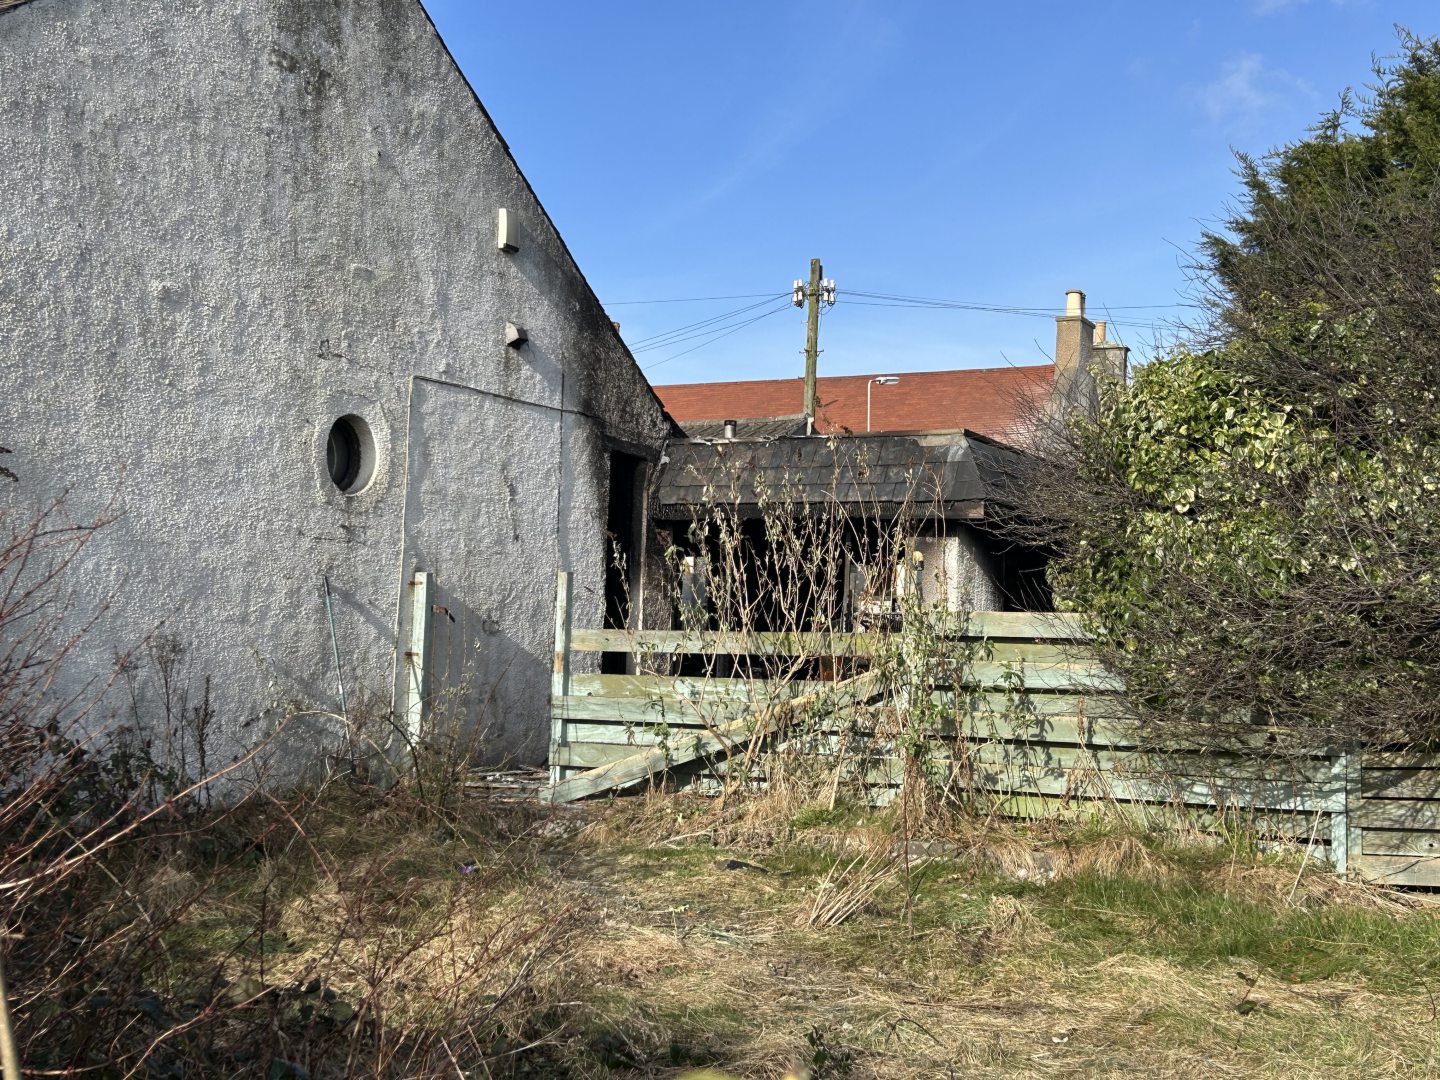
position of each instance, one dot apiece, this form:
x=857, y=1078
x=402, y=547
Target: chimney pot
x=1100, y=332
x=730, y=429
x=1075, y=303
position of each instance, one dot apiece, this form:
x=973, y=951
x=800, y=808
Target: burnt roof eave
x=956, y=510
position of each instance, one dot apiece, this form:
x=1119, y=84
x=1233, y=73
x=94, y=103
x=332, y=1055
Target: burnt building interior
x=838, y=533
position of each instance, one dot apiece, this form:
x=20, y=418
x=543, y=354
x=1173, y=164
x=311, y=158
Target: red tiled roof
x=990, y=401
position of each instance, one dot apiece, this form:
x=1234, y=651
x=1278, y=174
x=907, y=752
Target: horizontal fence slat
x=1264, y=823
x=1100, y=775
x=666, y=687
x=664, y=644
x=1254, y=794
x=985, y=713
x=1032, y=628
x=1400, y=842
x=1098, y=706
x=1073, y=677
x=633, y=721
x=1030, y=625
x=622, y=714
x=637, y=713
x=989, y=759
x=589, y=755
x=1054, y=729
x=1397, y=869
x=1399, y=783
x=1222, y=769
x=719, y=643
x=623, y=718
x=630, y=716
x=1402, y=759
x=1059, y=678
x=1398, y=814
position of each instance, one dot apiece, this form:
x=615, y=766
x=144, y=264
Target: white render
x=224, y=226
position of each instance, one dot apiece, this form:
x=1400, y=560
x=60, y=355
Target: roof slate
x=931, y=473
x=762, y=427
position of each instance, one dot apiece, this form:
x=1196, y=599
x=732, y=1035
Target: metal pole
x=335, y=652
x=883, y=380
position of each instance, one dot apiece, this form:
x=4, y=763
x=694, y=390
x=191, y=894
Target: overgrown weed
x=367, y=941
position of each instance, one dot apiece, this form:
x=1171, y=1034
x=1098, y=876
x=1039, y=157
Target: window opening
x=350, y=454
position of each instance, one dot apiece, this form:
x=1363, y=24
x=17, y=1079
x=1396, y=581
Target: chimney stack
x=1109, y=359
x=1074, y=351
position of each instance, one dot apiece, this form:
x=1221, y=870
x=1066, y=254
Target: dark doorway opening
x=622, y=550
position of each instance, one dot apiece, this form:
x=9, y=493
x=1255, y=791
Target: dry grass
x=850, y=887
x=981, y=972
x=662, y=935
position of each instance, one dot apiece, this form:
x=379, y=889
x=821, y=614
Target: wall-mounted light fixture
x=507, y=231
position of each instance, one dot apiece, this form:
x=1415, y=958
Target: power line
x=976, y=304
x=681, y=333
x=893, y=299
x=685, y=299
x=723, y=325
x=1019, y=309
x=927, y=304
x=945, y=307
x=748, y=322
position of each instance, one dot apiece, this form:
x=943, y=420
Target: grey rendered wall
x=226, y=224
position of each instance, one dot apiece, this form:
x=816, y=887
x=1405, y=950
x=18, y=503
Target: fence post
x=1340, y=818
x=417, y=656
x=1346, y=832
x=1354, y=827
x=560, y=679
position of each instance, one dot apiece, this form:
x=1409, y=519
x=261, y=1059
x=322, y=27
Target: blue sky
x=994, y=153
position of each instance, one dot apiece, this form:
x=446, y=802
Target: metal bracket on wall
x=560, y=676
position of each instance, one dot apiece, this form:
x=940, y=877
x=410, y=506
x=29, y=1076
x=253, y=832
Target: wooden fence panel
x=1033, y=726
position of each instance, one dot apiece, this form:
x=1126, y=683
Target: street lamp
x=883, y=380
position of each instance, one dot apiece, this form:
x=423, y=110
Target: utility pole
x=818, y=291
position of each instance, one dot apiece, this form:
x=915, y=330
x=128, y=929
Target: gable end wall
x=229, y=224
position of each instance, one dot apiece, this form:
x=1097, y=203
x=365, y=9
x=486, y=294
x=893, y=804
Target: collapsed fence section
x=1004, y=711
